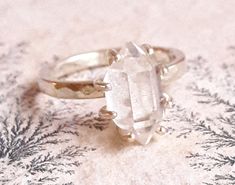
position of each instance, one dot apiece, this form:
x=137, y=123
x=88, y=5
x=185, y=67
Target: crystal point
x=135, y=93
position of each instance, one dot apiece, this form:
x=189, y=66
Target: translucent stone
x=135, y=93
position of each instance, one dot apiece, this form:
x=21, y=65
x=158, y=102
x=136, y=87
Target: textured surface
x=48, y=141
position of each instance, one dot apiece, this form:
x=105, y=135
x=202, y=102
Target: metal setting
x=166, y=101
x=106, y=114
x=161, y=130
x=126, y=136
x=101, y=86
x=148, y=49
x=170, y=66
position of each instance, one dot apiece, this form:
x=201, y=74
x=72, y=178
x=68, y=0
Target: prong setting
x=127, y=136
x=161, y=130
x=114, y=56
x=102, y=86
x=106, y=114
x=166, y=101
x=148, y=48
x=164, y=71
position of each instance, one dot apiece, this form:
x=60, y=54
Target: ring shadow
x=78, y=125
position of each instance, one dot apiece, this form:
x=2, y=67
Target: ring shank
x=51, y=76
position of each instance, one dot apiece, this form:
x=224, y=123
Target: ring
x=133, y=85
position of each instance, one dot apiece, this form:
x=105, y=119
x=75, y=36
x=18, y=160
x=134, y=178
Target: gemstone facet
x=135, y=93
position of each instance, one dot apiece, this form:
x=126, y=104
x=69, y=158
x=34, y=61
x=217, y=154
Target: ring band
x=50, y=81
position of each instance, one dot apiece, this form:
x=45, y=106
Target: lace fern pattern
x=29, y=132
x=212, y=121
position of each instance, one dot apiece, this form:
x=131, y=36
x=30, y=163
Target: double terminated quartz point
x=135, y=94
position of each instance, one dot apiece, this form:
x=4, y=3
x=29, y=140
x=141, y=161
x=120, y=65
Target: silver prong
x=114, y=55
x=163, y=70
x=127, y=136
x=166, y=101
x=161, y=130
x=102, y=86
x=148, y=48
x=106, y=114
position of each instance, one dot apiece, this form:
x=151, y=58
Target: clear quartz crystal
x=135, y=93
